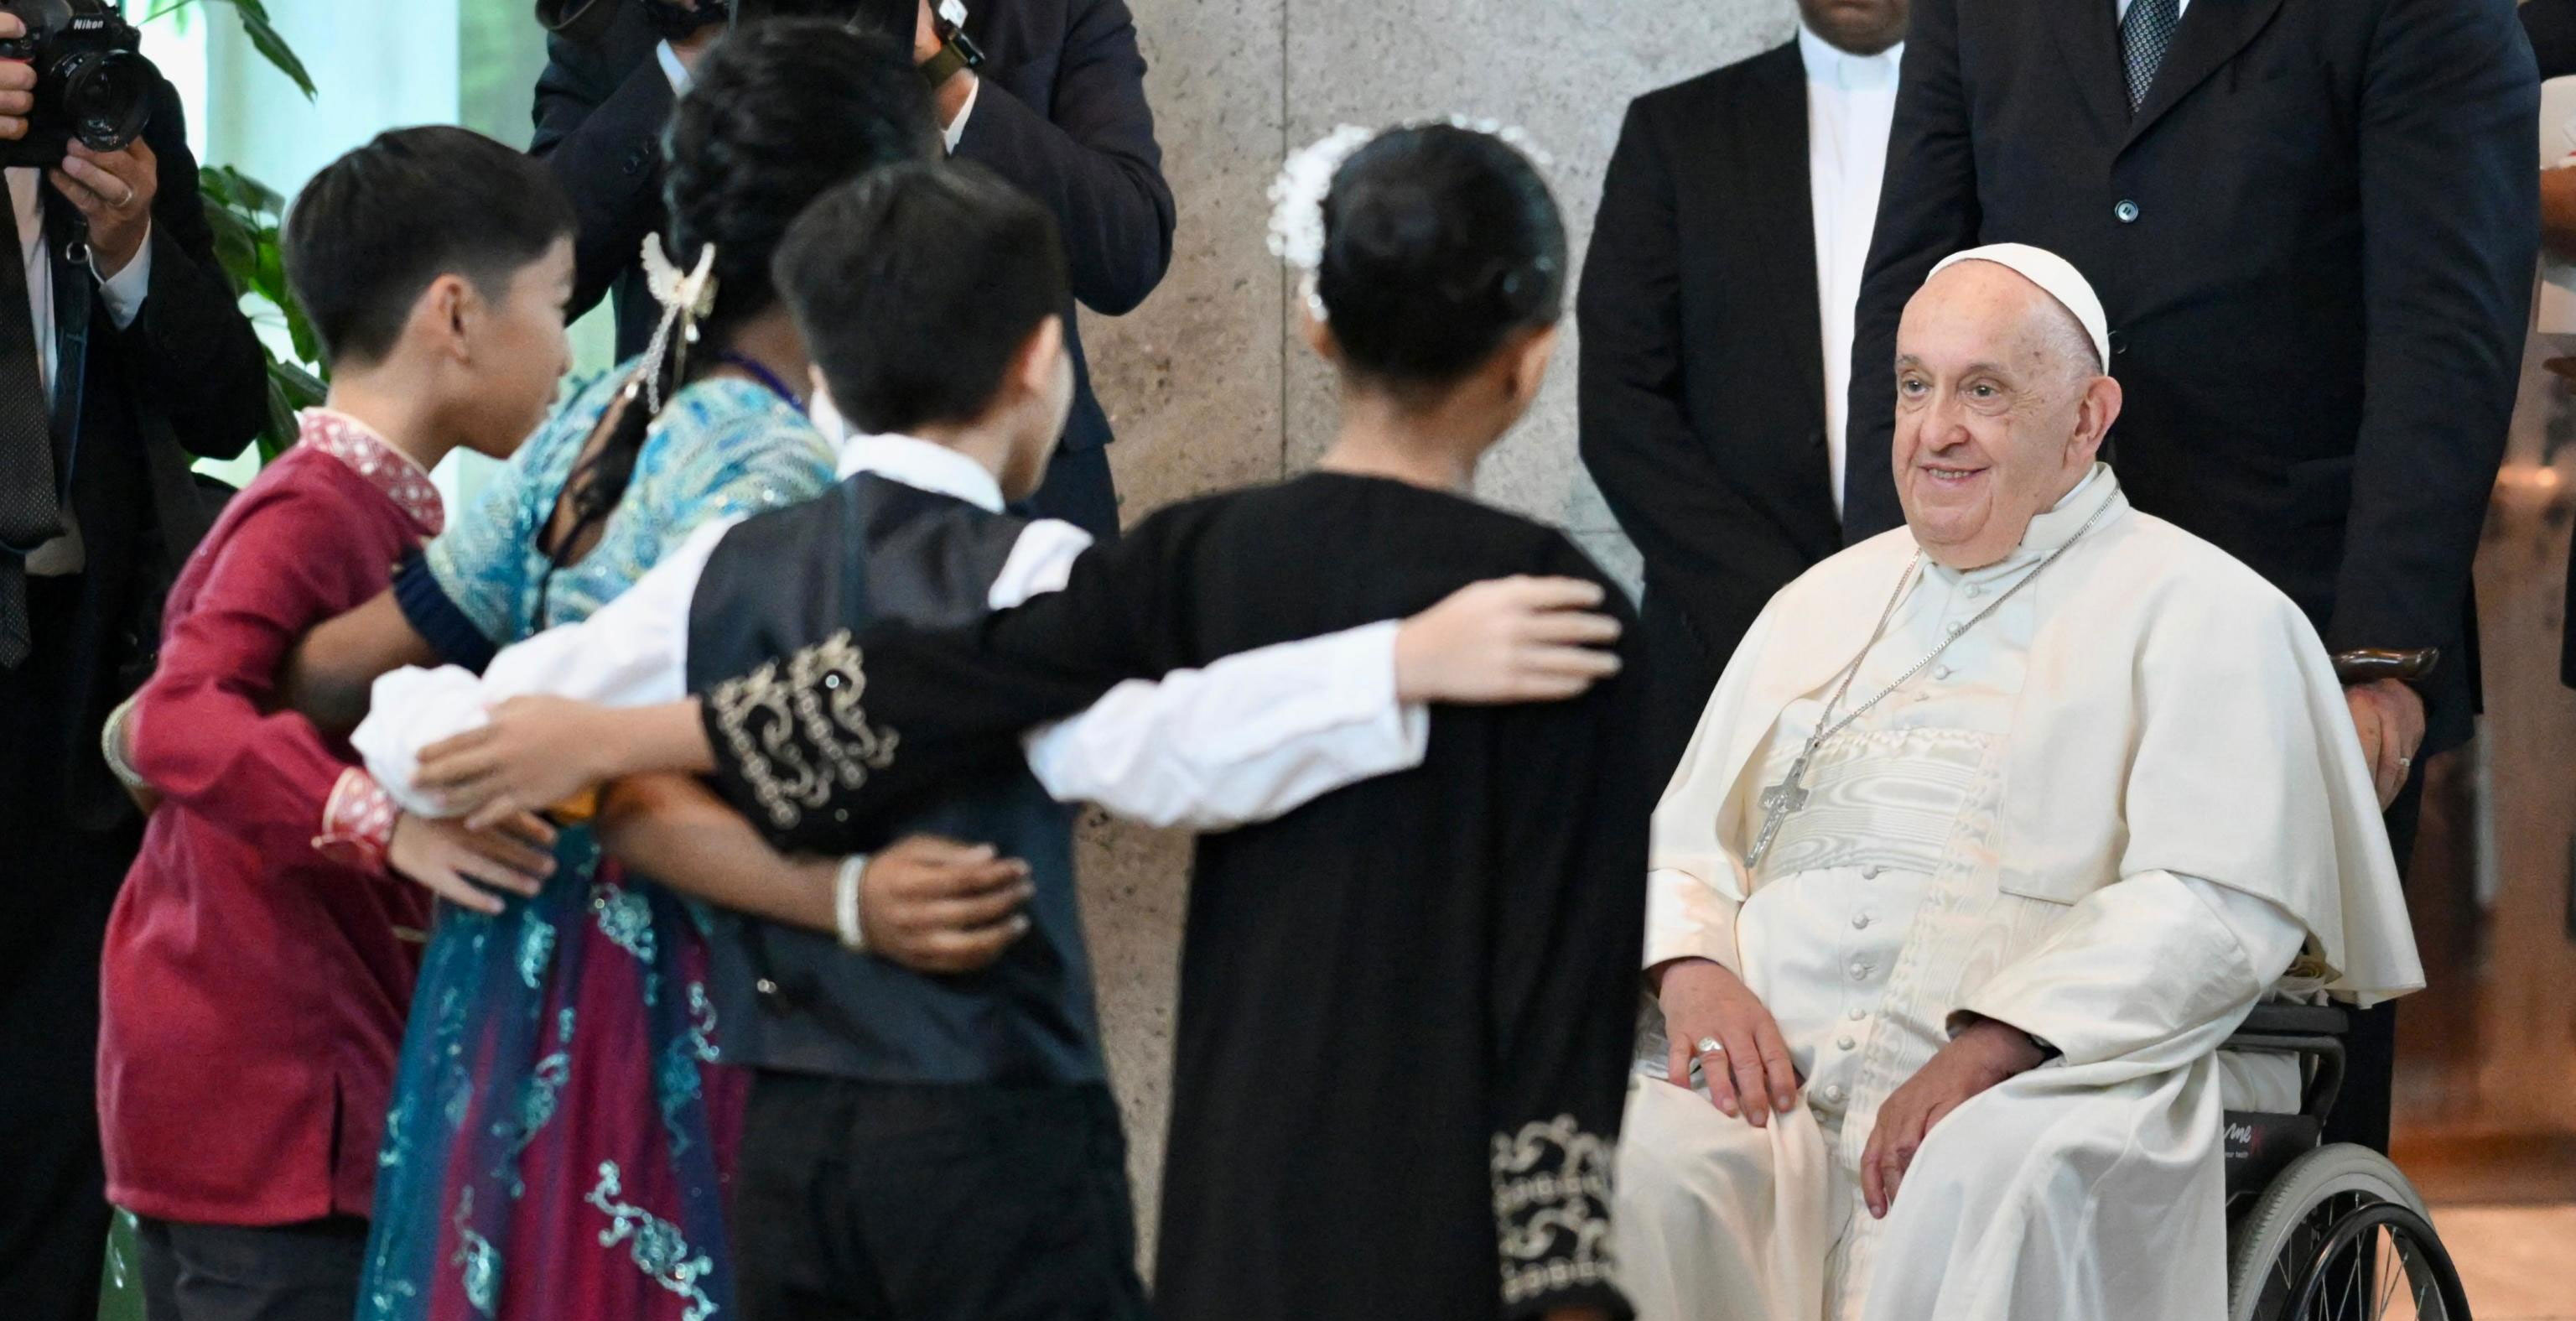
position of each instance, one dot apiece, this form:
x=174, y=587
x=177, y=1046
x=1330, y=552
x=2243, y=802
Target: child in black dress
x=1407, y=1008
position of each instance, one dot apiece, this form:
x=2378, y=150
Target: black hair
x=1439, y=243
x=375, y=227
x=779, y=112
x=915, y=287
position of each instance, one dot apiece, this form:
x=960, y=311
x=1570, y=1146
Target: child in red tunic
x=259, y=964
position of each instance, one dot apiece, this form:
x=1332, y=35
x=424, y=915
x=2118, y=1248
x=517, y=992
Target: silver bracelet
x=112, y=746
x=845, y=903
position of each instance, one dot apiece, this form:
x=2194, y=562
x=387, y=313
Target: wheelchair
x=2323, y=1232
x=2317, y=1232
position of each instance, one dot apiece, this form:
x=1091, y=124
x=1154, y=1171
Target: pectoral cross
x=1778, y=802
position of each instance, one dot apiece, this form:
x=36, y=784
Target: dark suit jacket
x=2551, y=25
x=186, y=378
x=2317, y=295
x=1702, y=402
x=1061, y=113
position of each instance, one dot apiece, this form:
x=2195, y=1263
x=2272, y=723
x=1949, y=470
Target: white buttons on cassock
x=1835, y=1093
x=1975, y=590
x=1845, y=1041
x=1955, y=626
x=1859, y=970
x=1860, y=921
x=1941, y=672
x=1857, y=1015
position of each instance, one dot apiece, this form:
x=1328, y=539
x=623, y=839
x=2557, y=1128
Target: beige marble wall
x=1209, y=389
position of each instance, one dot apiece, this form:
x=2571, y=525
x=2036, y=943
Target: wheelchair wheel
x=2340, y=1236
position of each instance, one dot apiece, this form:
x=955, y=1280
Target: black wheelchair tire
x=2259, y=1238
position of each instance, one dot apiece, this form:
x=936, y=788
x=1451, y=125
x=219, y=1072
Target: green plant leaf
x=264, y=38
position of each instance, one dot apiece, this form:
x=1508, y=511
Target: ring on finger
x=1711, y=1046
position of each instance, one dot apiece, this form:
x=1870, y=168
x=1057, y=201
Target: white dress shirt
x=1851, y=103
x=1248, y=738
x=2121, y=9
x=124, y=298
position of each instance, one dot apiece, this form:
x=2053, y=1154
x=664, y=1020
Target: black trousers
x=60, y=884
x=858, y=1201
x=306, y=1272
x=2362, y=1110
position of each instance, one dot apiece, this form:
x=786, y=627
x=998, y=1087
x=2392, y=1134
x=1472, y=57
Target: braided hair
x=779, y=112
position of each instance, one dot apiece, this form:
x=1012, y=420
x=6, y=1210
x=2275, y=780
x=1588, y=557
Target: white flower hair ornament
x=1306, y=179
x=684, y=299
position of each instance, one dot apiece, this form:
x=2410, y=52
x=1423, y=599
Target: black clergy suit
x=1702, y=399
x=186, y=378
x=1061, y=113
x=2313, y=242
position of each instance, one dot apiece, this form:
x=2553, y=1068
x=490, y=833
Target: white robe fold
x=2174, y=794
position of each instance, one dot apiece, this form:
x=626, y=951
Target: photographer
x=121, y=354
x=1057, y=106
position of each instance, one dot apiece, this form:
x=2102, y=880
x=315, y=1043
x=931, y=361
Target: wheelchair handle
x=2371, y=664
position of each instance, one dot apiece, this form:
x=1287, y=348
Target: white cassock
x=2110, y=814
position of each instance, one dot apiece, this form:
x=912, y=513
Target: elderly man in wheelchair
x=1994, y=833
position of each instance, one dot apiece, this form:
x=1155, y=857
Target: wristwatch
x=957, y=53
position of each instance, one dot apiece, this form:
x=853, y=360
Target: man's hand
x=1702, y=1002
x=530, y=754
x=949, y=98
x=694, y=47
x=464, y=866
x=937, y=905
x=17, y=83
x=114, y=189
x=1507, y=640
x=2390, y=719
x=1980, y=1057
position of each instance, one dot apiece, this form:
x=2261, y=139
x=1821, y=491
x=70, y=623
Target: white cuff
x=956, y=130
x=411, y=709
x=672, y=69
x=125, y=291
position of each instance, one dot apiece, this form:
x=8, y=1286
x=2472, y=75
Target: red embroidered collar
x=370, y=456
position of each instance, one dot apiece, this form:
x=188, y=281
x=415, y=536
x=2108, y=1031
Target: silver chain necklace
x=1789, y=795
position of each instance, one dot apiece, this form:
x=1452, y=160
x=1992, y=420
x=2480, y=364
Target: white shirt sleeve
x=1251, y=737
x=633, y=651
x=124, y=294
x=956, y=130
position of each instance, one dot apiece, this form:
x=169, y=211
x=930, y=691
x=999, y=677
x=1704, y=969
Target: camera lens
x=107, y=95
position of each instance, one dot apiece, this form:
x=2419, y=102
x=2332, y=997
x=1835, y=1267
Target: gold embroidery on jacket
x=770, y=723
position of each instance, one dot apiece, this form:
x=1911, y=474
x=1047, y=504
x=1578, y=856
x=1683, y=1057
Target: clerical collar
x=1843, y=70
x=2049, y=530
x=925, y=466
x=371, y=456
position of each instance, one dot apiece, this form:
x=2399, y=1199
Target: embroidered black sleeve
x=792, y=737
x=1552, y=1217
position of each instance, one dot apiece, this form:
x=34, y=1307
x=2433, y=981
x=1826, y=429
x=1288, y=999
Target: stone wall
x=1207, y=383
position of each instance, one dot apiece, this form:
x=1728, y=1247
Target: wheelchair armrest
x=2294, y=1020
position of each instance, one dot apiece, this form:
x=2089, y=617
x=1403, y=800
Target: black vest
x=794, y=1000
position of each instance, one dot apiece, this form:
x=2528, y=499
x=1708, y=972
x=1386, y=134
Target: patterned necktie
x=30, y=507
x=2146, y=33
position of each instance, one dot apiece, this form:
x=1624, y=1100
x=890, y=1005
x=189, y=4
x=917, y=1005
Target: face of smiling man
x=2000, y=406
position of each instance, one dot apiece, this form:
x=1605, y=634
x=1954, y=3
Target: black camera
x=92, y=82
